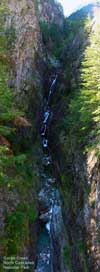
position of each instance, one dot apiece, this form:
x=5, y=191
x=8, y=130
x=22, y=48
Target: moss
x=98, y=237
x=52, y=36
x=18, y=175
x=67, y=257
x=87, y=190
x=21, y=209
x=93, y=204
x=36, y=6
x=66, y=189
x=17, y=227
x=10, y=37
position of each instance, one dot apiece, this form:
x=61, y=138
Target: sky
x=72, y=5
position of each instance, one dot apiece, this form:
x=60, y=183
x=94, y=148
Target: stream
x=50, y=214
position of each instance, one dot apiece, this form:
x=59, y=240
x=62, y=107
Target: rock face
x=92, y=210
x=78, y=235
x=57, y=236
x=27, y=53
x=27, y=67
x=80, y=175
x=22, y=22
x=50, y=12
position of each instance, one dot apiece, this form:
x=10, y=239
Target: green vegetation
x=18, y=178
x=98, y=238
x=52, y=35
x=10, y=37
x=75, y=25
x=17, y=228
x=67, y=183
x=67, y=257
x=79, y=247
x=93, y=204
x=8, y=109
x=84, y=120
x=79, y=131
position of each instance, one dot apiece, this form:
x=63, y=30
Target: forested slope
x=32, y=48
x=77, y=138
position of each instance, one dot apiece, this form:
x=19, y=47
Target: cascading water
x=49, y=200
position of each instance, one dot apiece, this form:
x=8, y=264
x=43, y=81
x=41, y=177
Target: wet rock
x=47, y=160
x=45, y=143
x=57, y=236
x=44, y=252
x=45, y=217
x=57, y=220
x=43, y=201
x=53, y=223
x=51, y=180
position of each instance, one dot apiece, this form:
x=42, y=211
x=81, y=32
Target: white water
x=48, y=197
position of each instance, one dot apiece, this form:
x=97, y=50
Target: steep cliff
x=23, y=64
x=39, y=47
x=77, y=138
x=50, y=12
x=22, y=27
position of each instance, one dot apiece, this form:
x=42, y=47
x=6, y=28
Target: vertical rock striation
x=27, y=53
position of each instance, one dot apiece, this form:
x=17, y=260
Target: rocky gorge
x=49, y=137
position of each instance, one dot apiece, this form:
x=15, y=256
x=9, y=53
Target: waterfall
x=47, y=111
x=49, y=199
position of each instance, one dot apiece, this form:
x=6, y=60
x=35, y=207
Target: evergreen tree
x=16, y=170
x=85, y=105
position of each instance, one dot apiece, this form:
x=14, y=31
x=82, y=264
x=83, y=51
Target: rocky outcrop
x=26, y=56
x=92, y=210
x=58, y=235
x=27, y=52
x=75, y=236
x=50, y=12
x=79, y=173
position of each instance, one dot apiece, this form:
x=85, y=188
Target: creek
x=50, y=213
